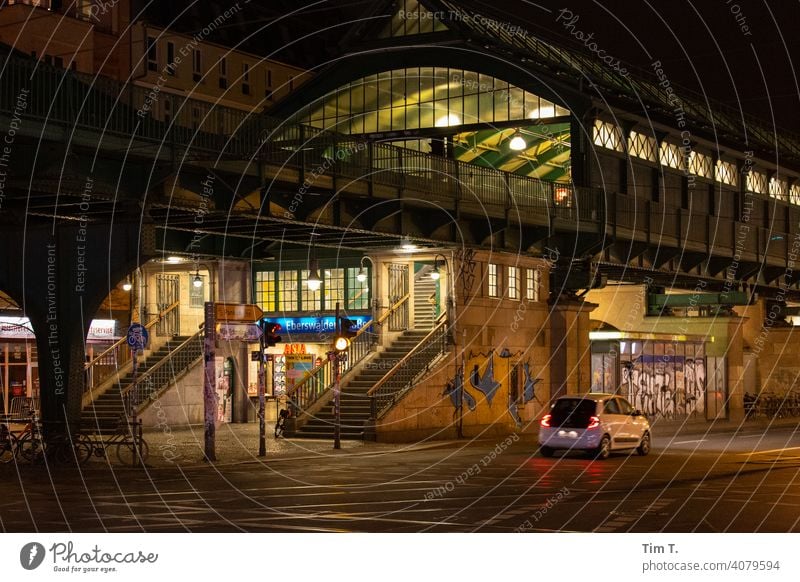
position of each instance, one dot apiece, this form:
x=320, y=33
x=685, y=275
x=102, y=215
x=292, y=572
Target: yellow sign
x=238, y=312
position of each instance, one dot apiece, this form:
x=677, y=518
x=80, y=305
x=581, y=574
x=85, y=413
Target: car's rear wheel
x=604, y=448
x=644, y=445
x=546, y=451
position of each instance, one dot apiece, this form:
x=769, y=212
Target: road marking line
x=688, y=442
x=769, y=451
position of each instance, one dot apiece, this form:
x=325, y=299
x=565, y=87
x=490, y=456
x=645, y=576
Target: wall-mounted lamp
x=518, y=142
x=407, y=245
x=127, y=285
x=362, y=272
x=197, y=281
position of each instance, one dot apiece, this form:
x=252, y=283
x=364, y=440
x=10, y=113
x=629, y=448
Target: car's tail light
x=546, y=420
x=594, y=422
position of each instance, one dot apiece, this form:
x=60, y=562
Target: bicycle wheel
x=8, y=448
x=128, y=451
x=30, y=448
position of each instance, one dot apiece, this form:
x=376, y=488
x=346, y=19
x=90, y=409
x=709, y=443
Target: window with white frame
x=532, y=283
x=670, y=155
x=778, y=189
x=794, y=194
x=334, y=288
x=492, y=280
x=757, y=182
x=607, y=135
x=725, y=172
x=152, y=53
x=642, y=146
x=197, y=65
x=701, y=165
x=223, y=73
x=245, y=79
x=264, y=292
x=513, y=283
x=287, y=291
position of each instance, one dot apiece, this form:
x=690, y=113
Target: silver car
x=594, y=423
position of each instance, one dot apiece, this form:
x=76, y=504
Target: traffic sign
x=250, y=332
x=238, y=312
x=137, y=336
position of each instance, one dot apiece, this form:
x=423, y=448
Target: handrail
x=149, y=373
x=393, y=308
x=123, y=340
x=320, y=380
x=421, y=345
x=316, y=369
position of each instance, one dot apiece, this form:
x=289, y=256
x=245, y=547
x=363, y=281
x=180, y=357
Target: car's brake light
x=594, y=422
x=546, y=420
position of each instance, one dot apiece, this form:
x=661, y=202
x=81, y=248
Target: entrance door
x=398, y=288
x=167, y=293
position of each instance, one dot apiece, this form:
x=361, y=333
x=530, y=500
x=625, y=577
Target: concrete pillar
x=734, y=374
x=570, y=354
x=62, y=274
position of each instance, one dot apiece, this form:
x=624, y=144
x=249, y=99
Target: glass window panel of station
x=460, y=97
x=334, y=288
x=532, y=284
x=670, y=155
x=726, y=173
x=757, y=182
x=265, y=290
x=310, y=300
x=357, y=291
x=794, y=194
x=607, y=135
x=778, y=189
x=700, y=164
x=642, y=146
x=287, y=291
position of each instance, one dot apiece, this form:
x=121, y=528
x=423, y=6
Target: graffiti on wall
x=665, y=385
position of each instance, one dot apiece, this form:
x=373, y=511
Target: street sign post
x=242, y=312
x=137, y=337
x=209, y=383
x=247, y=332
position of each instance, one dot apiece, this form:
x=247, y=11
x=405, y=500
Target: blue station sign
x=311, y=325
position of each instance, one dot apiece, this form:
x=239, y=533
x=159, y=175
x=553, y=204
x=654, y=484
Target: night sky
x=740, y=52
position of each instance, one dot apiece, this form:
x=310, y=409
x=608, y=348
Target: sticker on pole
x=137, y=336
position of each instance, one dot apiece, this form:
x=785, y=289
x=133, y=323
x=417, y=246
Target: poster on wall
x=279, y=376
x=298, y=367
x=224, y=391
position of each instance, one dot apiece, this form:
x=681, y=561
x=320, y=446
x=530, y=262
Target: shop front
x=19, y=368
x=664, y=376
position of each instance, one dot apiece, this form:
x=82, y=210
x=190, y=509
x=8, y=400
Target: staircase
x=424, y=308
x=158, y=371
x=354, y=402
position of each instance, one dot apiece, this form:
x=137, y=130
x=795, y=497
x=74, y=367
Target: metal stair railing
x=319, y=380
x=402, y=376
x=116, y=356
x=150, y=384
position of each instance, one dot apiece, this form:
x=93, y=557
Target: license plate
x=571, y=434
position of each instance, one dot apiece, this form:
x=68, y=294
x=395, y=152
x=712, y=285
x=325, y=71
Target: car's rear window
x=572, y=412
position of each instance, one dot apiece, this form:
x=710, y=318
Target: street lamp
x=362, y=273
x=314, y=281
x=197, y=281
x=127, y=285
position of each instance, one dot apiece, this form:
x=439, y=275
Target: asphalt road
x=747, y=482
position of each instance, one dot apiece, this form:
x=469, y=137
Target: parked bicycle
x=127, y=444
